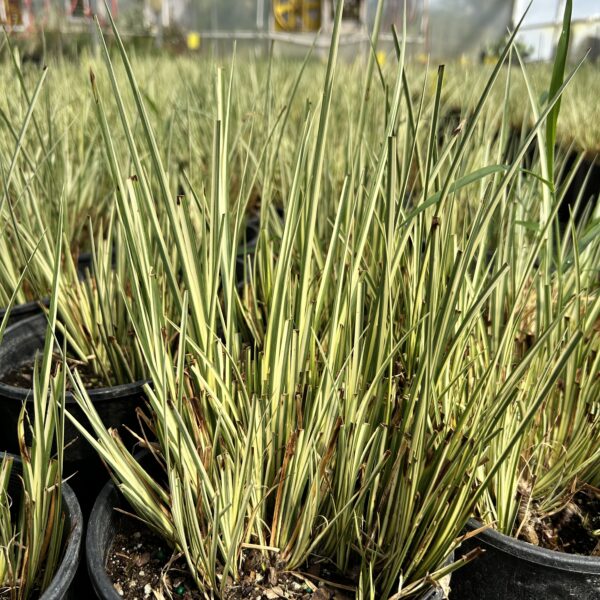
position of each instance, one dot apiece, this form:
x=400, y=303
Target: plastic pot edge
x=96, y=394
x=63, y=578
x=98, y=530
x=23, y=311
x=534, y=554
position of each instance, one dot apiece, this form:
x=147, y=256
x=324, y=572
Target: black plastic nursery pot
x=24, y=311
x=62, y=585
x=251, y=239
x=102, y=528
x=116, y=406
x=511, y=569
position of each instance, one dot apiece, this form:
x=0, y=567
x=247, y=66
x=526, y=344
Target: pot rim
x=69, y=563
x=535, y=554
x=98, y=394
x=25, y=307
x=95, y=394
x=95, y=556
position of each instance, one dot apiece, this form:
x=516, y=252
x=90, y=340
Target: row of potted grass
x=399, y=355
x=62, y=135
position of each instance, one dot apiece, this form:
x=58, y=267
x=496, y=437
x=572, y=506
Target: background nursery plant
x=547, y=491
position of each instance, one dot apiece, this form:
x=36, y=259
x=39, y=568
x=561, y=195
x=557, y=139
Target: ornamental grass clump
x=345, y=403
x=92, y=317
x=555, y=463
x=32, y=531
x=48, y=156
x=550, y=481
x=45, y=169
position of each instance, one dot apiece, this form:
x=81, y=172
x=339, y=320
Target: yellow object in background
x=285, y=13
x=381, y=58
x=156, y=5
x=297, y=15
x=311, y=15
x=193, y=40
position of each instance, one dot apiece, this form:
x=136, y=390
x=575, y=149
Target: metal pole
x=92, y=28
x=159, y=32
x=302, y=39
x=215, y=25
x=425, y=26
x=260, y=14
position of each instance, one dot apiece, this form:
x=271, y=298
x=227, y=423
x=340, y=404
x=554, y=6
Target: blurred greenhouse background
x=469, y=30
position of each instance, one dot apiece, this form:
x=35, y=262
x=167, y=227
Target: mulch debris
x=575, y=529
x=141, y=567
